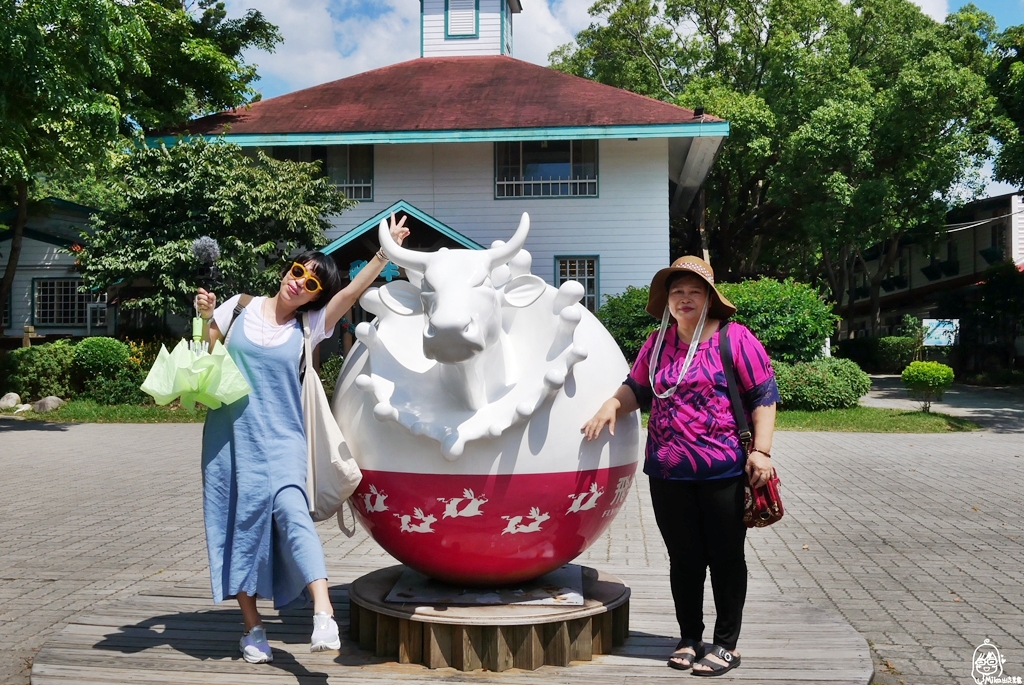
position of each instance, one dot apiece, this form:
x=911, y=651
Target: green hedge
x=791, y=319
x=96, y=358
x=827, y=383
x=890, y=354
x=627, y=320
x=38, y=371
x=329, y=371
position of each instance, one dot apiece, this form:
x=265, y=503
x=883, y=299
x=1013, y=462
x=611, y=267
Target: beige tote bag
x=332, y=474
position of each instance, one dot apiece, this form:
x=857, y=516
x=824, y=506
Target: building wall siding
x=487, y=42
x=626, y=226
x=38, y=260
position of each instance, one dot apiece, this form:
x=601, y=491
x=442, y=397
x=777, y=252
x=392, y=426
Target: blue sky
x=326, y=40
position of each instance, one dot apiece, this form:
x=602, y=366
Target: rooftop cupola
x=453, y=28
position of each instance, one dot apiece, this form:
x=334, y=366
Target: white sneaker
x=325, y=633
x=254, y=646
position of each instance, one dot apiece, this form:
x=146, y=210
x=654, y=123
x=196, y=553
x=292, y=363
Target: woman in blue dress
x=260, y=537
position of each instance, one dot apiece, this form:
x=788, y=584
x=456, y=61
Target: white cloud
x=936, y=9
x=326, y=40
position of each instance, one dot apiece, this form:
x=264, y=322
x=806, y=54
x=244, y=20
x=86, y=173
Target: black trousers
x=702, y=525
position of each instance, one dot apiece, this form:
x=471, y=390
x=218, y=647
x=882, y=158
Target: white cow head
x=457, y=294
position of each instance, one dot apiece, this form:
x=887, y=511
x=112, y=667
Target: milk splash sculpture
x=462, y=404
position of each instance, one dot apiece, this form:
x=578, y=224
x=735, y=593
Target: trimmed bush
x=39, y=371
x=827, y=383
x=894, y=353
x=926, y=381
x=98, y=357
x=124, y=388
x=790, y=319
x=626, y=318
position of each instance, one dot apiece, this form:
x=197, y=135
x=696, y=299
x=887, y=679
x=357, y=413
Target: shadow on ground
x=9, y=424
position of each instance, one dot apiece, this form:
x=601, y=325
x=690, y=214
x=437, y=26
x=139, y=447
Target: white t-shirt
x=267, y=333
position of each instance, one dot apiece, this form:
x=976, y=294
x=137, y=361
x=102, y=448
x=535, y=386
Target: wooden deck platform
x=176, y=636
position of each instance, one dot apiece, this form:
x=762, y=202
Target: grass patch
x=87, y=411
x=872, y=420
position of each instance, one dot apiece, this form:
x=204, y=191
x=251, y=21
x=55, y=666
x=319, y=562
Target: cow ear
x=522, y=291
x=401, y=297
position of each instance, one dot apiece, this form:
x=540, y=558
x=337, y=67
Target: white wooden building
x=466, y=138
x=46, y=286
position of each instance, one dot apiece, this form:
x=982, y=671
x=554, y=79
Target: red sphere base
x=492, y=529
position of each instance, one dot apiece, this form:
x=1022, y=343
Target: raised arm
x=351, y=293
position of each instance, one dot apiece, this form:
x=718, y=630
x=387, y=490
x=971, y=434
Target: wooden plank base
x=174, y=635
x=495, y=638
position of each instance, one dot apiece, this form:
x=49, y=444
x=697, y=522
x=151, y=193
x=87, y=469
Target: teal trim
x=597, y=275
x=400, y=206
x=694, y=130
x=501, y=27
x=476, y=25
x=39, y=236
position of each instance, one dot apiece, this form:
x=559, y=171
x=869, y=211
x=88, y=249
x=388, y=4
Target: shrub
x=790, y=319
x=124, y=388
x=39, y=371
x=827, y=383
x=329, y=371
x=98, y=358
x=626, y=318
x=926, y=381
x=894, y=353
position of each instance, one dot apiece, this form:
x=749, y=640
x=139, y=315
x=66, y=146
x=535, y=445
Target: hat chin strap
x=652, y=366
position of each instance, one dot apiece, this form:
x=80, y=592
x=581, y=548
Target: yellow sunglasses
x=312, y=283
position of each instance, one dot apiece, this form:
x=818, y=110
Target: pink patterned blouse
x=692, y=434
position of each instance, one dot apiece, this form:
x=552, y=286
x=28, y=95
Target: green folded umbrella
x=210, y=378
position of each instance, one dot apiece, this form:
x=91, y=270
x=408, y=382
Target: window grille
x=350, y=167
x=546, y=168
x=584, y=270
x=5, y=318
x=58, y=303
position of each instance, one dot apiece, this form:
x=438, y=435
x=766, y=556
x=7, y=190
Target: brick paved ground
x=915, y=540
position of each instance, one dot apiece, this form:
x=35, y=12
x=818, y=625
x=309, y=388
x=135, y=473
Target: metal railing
x=546, y=187
x=357, y=191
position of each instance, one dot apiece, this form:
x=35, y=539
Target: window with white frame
x=5, y=318
x=58, y=303
x=545, y=168
x=350, y=167
x=461, y=18
x=584, y=270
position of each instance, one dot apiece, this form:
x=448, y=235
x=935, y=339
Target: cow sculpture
x=463, y=402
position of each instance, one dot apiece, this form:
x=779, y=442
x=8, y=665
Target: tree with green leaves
x=78, y=76
x=1007, y=81
x=260, y=210
x=852, y=124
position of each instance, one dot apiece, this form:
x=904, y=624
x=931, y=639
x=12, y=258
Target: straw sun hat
x=720, y=308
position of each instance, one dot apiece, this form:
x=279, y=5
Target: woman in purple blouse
x=694, y=459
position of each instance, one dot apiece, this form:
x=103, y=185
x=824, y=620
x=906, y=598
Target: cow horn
x=404, y=257
x=501, y=255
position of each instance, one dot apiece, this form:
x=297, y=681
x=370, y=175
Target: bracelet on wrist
x=767, y=454
x=382, y=256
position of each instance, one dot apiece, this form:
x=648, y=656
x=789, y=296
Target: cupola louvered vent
x=461, y=17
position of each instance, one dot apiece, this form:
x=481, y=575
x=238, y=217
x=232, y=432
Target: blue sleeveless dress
x=260, y=537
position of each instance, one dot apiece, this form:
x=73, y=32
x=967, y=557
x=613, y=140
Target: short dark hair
x=326, y=271
x=673, y=277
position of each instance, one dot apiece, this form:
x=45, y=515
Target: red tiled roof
x=447, y=94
